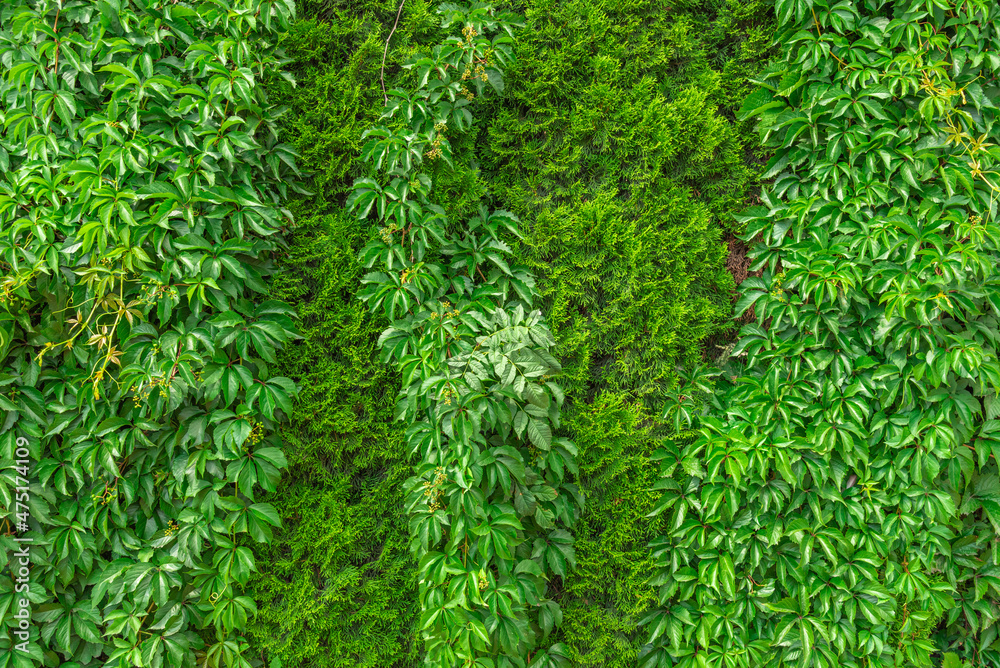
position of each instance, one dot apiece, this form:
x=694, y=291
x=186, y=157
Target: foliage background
x=140, y=189
x=616, y=143
x=857, y=453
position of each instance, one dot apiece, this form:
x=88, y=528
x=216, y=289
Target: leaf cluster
x=837, y=505
x=492, y=496
x=139, y=214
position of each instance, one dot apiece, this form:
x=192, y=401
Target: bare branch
x=381, y=74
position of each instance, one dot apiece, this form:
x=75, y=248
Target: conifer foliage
x=838, y=503
x=492, y=497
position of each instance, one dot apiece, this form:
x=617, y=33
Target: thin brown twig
x=54, y=24
x=381, y=74
x=173, y=371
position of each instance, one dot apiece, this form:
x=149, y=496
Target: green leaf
x=539, y=434
x=757, y=103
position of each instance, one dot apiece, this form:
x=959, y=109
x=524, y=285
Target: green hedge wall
x=336, y=587
x=616, y=144
x=617, y=141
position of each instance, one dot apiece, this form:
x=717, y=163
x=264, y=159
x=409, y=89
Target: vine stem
x=381, y=74
x=55, y=72
x=54, y=24
x=173, y=371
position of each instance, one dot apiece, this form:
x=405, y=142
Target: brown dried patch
x=738, y=264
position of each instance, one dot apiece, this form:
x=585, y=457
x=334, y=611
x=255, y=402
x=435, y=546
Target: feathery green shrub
x=617, y=140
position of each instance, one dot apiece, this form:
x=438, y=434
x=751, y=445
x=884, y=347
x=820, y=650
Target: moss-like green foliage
x=337, y=586
x=617, y=141
x=337, y=589
x=616, y=145
x=613, y=142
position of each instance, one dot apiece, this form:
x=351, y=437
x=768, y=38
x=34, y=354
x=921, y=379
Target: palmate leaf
x=756, y=104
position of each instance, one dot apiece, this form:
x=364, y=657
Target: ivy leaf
x=757, y=103
x=539, y=434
